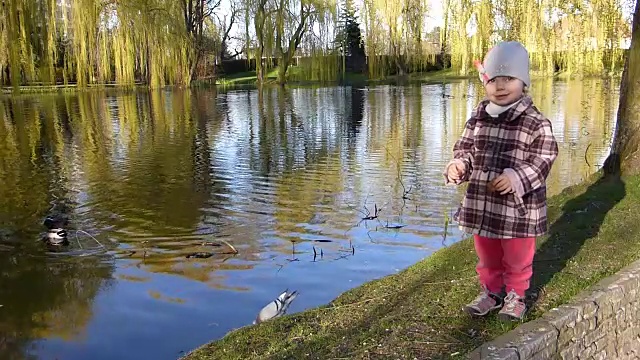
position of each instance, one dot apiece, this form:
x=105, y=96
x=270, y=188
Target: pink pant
x=505, y=262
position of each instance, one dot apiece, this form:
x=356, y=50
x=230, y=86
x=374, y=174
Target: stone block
x=594, y=335
x=589, y=309
x=562, y=317
x=621, y=317
x=629, y=316
x=628, y=279
x=595, y=296
x=608, y=327
x=546, y=354
x=580, y=329
x=489, y=352
x=606, y=310
x=571, y=351
x=601, y=355
x=632, y=295
x=587, y=352
x=610, y=347
x=628, y=282
x=627, y=339
x=609, y=295
x=529, y=338
x=605, y=343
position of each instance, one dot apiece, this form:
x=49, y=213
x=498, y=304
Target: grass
x=249, y=77
x=594, y=232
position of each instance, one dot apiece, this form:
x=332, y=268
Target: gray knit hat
x=508, y=58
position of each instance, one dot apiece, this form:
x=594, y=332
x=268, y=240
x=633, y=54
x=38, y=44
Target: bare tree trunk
x=625, y=152
x=286, y=56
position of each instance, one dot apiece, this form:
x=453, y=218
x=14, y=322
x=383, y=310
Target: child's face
x=504, y=90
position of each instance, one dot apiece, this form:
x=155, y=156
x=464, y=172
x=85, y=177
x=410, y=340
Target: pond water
x=284, y=176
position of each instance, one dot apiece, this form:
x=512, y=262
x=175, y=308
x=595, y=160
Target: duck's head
x=55, y=222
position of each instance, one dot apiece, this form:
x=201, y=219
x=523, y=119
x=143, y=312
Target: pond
x=284, y=176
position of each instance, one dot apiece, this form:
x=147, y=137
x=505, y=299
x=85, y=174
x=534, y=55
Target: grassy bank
x=249, y=78
x=594, y=231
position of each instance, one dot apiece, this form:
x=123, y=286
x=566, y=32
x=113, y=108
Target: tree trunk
x=625, y=152
x=259, y=26
x=286, y=57
x=14, y=51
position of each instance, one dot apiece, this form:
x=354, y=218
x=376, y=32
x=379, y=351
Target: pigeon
x=277, y=307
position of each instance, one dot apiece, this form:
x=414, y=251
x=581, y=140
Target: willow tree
x=259, y=11
x=374, y=40
x=290, y=29
x=625, y=152
x=579, y=36
x=97, y=41
x=588, y=36
x=460, y=44
x=18, y=24
x=85, y=15
x=318, y=57
x=394, y=30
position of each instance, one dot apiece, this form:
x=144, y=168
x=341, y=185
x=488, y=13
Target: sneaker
x=514, y=307
x=484, y=304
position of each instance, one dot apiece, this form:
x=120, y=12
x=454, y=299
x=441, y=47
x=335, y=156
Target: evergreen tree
x=349, y=41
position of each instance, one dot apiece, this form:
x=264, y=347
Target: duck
x=56, y=234
x=277, y=307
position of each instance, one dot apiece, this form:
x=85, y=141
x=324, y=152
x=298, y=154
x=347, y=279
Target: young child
x=505, y=154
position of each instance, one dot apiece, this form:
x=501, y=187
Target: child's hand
x=501, y=184
x=455, y=171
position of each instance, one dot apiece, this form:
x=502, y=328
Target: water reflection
x=286, y=176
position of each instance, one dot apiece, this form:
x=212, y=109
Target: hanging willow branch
x=160, y=42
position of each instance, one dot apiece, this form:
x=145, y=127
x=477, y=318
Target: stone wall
x=601, y=323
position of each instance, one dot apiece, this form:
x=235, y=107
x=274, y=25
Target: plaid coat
x=518, y=143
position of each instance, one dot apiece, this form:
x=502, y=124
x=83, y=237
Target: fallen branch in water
x=405, y=192
x=199, y=255
x=91, y=236
x=585, y=155
x=367, y=214
x=315, y=254
x=230, y=246
x=395, y=226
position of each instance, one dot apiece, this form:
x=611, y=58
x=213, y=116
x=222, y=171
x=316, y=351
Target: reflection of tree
x=155, y=180
x=299, y=190
x=355, y=112
x=44, y=298
x=21, y=163
x=40, y=297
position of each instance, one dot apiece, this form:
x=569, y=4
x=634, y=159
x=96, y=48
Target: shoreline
x=417, y=312
x=248, y=82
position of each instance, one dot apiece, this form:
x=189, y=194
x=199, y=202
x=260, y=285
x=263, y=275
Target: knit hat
x=508, y=58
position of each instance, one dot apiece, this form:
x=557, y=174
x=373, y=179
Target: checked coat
x=519, y=143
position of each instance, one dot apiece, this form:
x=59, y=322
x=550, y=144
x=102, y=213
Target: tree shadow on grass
x=581, y=220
